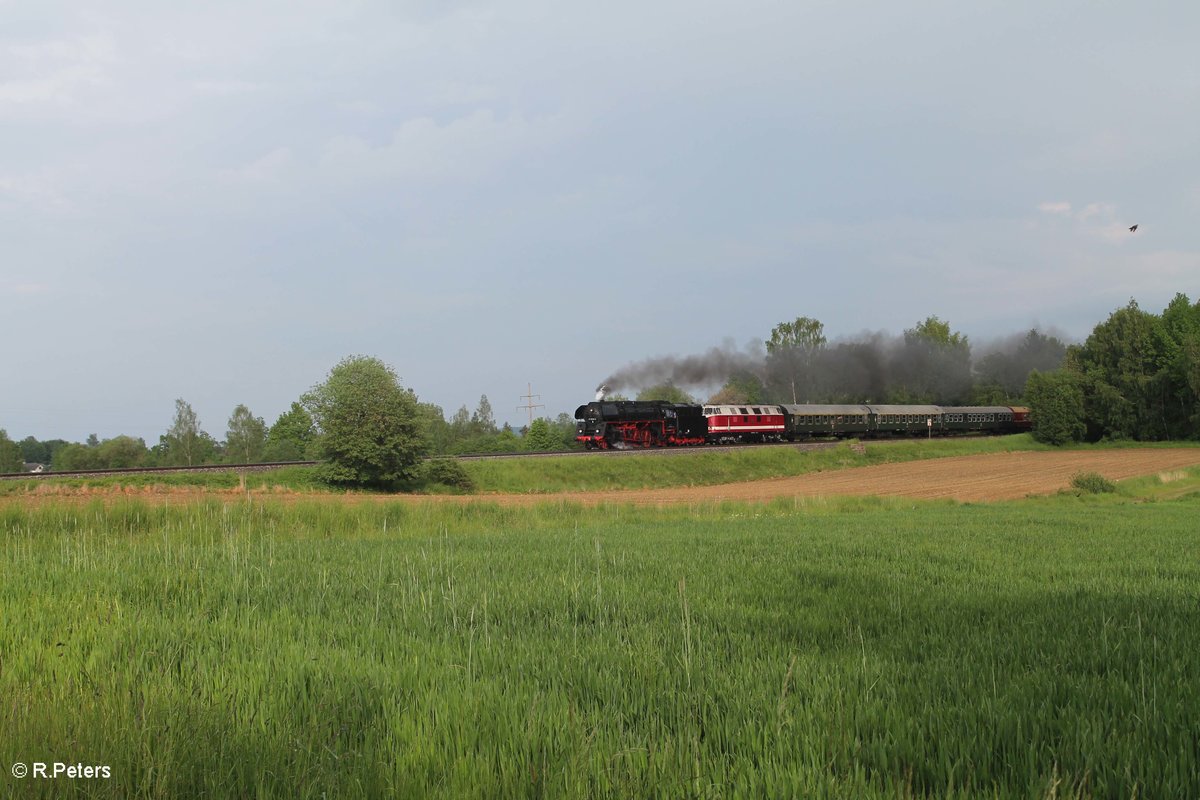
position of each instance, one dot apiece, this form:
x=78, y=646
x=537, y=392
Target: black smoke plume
x=871, y=367
x=713, y=367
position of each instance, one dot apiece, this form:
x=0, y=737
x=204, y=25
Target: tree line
x=296, y=435
x=1136, y=376
x=929, y=364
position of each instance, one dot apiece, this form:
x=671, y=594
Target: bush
x=1092, y=483
x=447, y=472
x=370, y=433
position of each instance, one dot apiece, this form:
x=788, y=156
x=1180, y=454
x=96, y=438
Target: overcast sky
x=219, y=204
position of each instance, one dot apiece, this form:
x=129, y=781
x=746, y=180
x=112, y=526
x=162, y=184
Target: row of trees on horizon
x=1137, y=376
x=293, y=437
x=929, y=364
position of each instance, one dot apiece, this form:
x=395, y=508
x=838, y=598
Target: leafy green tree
x=540, y=437
x=119, y=452
x=504, y=441
x=11, y=458
x=291, y=436
x=116, y=453
x=1000, y=377
x=434, y=428
x=1180, y=365
x=1140, y=373
x=184, y=437
x=792, y=355
x=666, y=392
x=935, y=331
x=1190, y=367
x=1056, y=405
x=76, y=456
x=246, y=438
x=932, y=366
x=483, y=421
x=564, y=431
x=34, y=452
x=742, y=387
x=368, y=426
x=41, y=452
x=1126, y=389
x=460, y=423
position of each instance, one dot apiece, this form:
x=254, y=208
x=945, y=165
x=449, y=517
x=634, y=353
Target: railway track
x=660, y=451
x=103, y=473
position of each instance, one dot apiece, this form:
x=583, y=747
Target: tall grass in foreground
x=861, y=648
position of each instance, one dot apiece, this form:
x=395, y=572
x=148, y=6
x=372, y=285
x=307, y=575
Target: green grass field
x=858, y=648
x=712, y=466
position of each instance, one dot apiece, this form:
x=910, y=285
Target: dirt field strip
x=997, y=476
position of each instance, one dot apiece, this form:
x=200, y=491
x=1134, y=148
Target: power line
x=529, y=404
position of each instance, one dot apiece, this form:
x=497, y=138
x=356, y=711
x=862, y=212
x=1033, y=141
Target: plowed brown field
x=999, y=476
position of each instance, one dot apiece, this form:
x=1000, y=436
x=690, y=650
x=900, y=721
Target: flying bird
x=1133, y=228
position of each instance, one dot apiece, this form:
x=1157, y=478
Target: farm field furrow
x=997, y=476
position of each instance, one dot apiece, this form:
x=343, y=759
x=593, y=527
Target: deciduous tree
x=11, y=458
x=1056, y=405
x=666, y=392
x=246, y=438
x=368, y=426
x=290, y=436
x=792, y=354
x=932, y=366
x=742, y=387
x=483, y=420
x=1001, y=375
x=540, y=438
x=184, y=442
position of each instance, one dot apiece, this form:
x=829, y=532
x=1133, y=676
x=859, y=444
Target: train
x=621, y=424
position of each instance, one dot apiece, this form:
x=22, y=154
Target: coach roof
x=819, y=410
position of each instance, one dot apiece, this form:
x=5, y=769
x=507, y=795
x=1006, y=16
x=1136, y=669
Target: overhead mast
x=529, y=404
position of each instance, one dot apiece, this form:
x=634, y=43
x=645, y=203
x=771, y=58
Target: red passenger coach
x=1021, y=420
x=744, y=423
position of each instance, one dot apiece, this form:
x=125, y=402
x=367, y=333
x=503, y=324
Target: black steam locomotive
x=604, y=424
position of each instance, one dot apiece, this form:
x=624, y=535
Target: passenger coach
x=827, y=420
x=906, y=420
